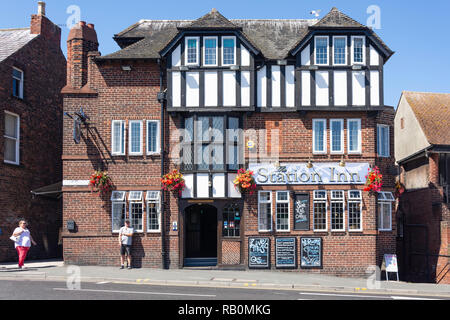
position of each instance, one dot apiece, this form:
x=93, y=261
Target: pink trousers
x=22, y=252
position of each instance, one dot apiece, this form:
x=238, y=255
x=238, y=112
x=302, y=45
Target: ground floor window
x=231, y=221
x=153, y=211
x=265, y=211
x=337, y=211
x=136, y=209
x=282, y=211
x=354, y=210
x=118, y=213
x=385, y=200
x=320, y=210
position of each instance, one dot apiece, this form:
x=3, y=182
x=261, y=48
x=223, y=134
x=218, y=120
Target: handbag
x=13, y=238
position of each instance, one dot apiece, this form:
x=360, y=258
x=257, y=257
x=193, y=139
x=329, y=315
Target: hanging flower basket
x=374, y=181
x=173, y=181
x=399, y=189
x=245, y=182
x=100, y=182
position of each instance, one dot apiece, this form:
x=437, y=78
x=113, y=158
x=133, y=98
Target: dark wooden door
x=201, y=232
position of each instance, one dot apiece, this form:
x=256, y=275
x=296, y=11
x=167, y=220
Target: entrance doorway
x=201, y=236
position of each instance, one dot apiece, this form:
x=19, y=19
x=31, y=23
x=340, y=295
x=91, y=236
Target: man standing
x=125, y=240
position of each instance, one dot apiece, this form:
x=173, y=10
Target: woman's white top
x=24, y=239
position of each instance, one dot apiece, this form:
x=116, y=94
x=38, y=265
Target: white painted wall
x=262, y=84
x=176, y=89
x=176, y=56
x=245, y=57
x=245, y=88
x=229, y=88
x=375, y=88
x=322, y=94
x=192, y=89
x=340, y=88
x=188, y=191
x=359, y=88
x=211, y=90
x=202, y=185
x=306, y=56
x=290, y=86
x=218, y=185
x=306, y=88
x=276, y=86
x=374, y=57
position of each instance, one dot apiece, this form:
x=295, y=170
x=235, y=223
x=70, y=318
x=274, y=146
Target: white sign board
x=390, y=261
x=319, y=173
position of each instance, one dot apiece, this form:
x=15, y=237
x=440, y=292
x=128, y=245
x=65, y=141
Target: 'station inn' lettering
x=319, y=173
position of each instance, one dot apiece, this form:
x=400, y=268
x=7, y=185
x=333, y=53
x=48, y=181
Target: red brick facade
x=40, y=111
x=111, y=93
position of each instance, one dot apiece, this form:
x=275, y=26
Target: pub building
x=299, y=102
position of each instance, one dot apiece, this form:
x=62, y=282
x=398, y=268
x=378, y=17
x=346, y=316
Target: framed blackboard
x=286, y=252
x=310, y=253
x=301, y=212
x=258, y=253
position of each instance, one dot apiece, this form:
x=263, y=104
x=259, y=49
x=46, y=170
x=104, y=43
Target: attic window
x=210, y=51
x=228, y=50
x=321, y=50
x=192, y=50
x=358, y=46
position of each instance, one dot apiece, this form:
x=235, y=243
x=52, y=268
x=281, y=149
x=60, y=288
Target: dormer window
x=228, y=51
x=340, y=50
x=358, y=46
x=17, y=83
x=321, y=50
x=210, y=51
x=192, y=50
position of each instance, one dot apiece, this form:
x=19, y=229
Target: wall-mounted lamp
x=126, y=68
x=309, y=165
x=342, y=163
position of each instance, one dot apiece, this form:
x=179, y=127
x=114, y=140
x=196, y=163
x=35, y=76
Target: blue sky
x=416, y=30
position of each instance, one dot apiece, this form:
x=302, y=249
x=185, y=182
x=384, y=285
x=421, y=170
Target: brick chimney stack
x=82, y=40
x=40, y=24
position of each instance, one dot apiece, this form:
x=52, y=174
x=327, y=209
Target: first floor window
x=340, y=50
x=354, y=210
x=319, y=136
x=337, y=211
x=210, y=47
x=320, y=210
x=118, y=207
x=118, y=137
x=282, y=211
x=11, y=135
x=354, y=135
x=383, y=140
x=231, y=221
x=135, y=137
x=153, y=211
x=228, y=50
x=265, y=211
x=136, y=206
x=358, y=50
x=17, y=83
x=191, y=50
x=385, y=200
x=337, y=135
x=152, y=136
x=321, y=50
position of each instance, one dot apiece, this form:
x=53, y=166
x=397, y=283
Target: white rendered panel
x=276, y=86
x=176, y=56
x=322, y=88
x=218, y=185
x=211, y=91
x=202, y=185
x=290, y=86
x=340, y=88
x=306, y=88
x=375, y=88
x=176, y=89
x=229, y=88
x=192, y=89
x=245, y=57
x=359, y=88
x=262, y=87
x=245, y=88
x=232, y=192
x=374, y=57
x=306, y=56
x=188, y=191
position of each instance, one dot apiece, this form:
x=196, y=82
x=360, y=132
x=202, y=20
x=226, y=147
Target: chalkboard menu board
x=301, y=212
x=258, y=252
x=285, y=253
x=311, y=253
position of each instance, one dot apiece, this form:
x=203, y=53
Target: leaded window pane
x=321, y=51
x=228, y=51
x=118, y=215
x=353, y=135
x=152, y=136
x=358, y=50
x=320, y=215
x=210, y=51
x=135, y=137
x=354, y=215
x=192, y=50
x=231, y=221
x=319, y=135
x=339, y=50
x=336, y=136
x=337, y=215
x=136, y=215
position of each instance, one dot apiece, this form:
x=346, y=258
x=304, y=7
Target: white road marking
x=140, y=292
x=103, y=282
x=411, y=298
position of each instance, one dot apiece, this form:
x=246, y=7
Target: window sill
x=13, y=164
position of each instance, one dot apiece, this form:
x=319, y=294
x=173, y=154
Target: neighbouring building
x=32, y=73
x=422, y=150
x=308, y=96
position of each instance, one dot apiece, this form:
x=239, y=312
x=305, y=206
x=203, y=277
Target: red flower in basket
x=173, y=181
x=374, y=181
x=245, y=181
x=100, y=182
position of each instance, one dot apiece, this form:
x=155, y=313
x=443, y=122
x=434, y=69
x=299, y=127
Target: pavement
x=56, y=270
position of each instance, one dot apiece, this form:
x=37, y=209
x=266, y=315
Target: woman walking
x=24, y=241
